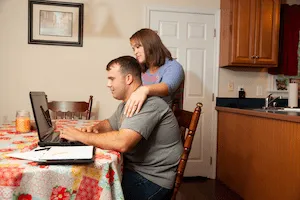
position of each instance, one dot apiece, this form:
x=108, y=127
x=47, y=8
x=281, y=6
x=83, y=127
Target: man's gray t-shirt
x=157, y=155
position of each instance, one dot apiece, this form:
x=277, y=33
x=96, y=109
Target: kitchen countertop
x=279, y=115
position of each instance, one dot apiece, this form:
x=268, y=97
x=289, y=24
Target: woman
x=162, y=75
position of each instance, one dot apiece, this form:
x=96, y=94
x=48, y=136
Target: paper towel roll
x=293, y=95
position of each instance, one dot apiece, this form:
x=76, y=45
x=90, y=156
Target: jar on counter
x=23, y=121
x=242, y=93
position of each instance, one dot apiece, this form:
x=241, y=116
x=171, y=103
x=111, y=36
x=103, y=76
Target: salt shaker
x=23, y=121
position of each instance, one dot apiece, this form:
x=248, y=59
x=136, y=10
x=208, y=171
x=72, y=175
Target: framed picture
x=55, y=23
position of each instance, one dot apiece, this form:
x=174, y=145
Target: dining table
x=25, y=180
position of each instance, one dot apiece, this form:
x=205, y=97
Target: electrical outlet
x=259, y=90
x=230, y=86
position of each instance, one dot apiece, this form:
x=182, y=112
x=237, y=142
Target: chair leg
x=175, y=190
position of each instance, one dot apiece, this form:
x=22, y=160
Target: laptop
x=67, y=155
x=45, y=129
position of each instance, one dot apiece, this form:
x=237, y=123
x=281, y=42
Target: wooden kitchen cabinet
x=249, y=33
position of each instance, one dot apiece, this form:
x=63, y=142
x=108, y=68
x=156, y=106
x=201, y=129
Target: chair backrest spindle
x=188, y=122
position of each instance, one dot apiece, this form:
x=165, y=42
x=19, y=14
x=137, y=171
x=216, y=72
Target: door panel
x=267, y=31
x=190, y=38
x=243, y=30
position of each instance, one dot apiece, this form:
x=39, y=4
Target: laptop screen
x=41, y=114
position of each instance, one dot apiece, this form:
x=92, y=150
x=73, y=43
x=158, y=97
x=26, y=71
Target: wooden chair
x=188, y=122
x=73, y=108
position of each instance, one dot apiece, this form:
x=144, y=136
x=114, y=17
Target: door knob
x=256, y=57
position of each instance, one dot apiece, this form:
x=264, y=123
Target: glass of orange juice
x=23, y=121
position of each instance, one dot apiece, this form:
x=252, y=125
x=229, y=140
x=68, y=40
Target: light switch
x=230, y=86
x=259, y=90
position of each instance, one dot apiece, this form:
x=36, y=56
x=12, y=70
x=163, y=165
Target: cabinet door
x=267, y=32
x=243, y=31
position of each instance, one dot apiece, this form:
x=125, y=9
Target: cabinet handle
x=253, y=57
x=256, y=57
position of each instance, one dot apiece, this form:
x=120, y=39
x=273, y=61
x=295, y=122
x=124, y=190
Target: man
x=149, y=140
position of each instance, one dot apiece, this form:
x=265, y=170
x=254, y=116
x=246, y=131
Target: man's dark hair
x=128, y=65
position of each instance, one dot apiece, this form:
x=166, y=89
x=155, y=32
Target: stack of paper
x=29, y=155
x=57, y=153
x=69, y=152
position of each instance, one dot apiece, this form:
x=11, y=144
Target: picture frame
x=55, y=23
x=281, y=83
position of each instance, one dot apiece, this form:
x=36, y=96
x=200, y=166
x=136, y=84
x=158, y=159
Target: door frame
x=216, y=13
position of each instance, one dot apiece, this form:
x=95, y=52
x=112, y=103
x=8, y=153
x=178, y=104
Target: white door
x=190, y=39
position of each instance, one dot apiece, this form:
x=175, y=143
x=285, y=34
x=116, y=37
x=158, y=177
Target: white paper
x=56, y=153
x=29, y=155
x=293, y=95
x=68, y=152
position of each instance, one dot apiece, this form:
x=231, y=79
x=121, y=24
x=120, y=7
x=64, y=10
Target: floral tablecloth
x=23, y=179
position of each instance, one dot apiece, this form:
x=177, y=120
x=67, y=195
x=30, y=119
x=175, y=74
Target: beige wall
x=70, y=73
x=248, y=79
x=74, y=73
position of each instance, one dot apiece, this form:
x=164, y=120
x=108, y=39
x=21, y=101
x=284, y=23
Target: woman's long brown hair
x=155, y=51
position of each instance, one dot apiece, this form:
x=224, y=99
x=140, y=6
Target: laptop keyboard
x=43, y=144
x=62, y=140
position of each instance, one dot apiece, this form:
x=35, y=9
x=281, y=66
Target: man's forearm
x=109, y=141
x=103, y=126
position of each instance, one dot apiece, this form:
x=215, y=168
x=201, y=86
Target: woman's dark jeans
x=136, y=187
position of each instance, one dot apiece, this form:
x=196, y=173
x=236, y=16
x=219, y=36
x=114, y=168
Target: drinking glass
x=23, y=121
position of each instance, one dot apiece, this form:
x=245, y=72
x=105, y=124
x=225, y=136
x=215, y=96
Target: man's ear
x=129, y=79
